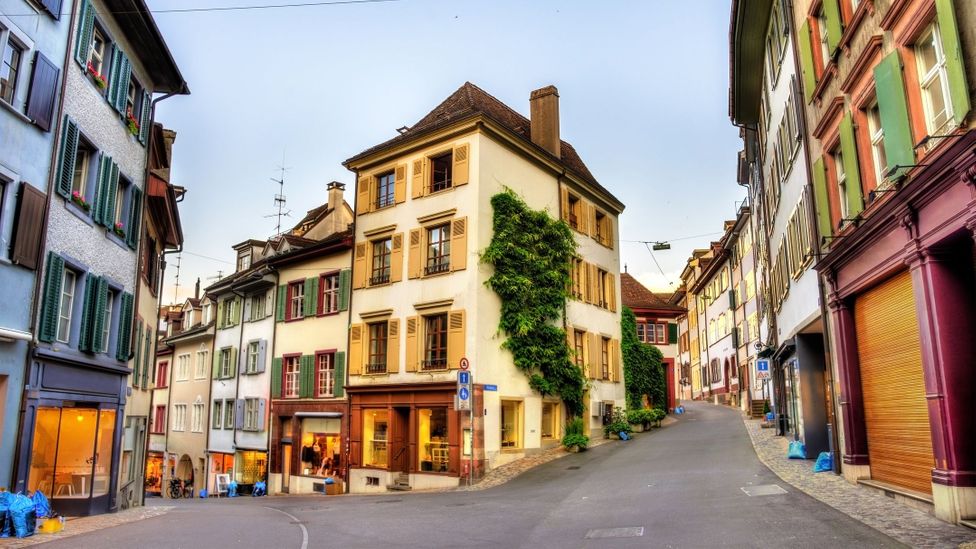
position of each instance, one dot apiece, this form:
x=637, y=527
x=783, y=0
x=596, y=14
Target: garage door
x=895, y=409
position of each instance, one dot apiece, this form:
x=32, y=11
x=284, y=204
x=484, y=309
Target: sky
x=643, y=91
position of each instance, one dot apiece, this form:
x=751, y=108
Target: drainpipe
x=352, y=265
x=274, y=339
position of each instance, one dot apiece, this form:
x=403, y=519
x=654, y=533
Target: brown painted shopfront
x=294, y=437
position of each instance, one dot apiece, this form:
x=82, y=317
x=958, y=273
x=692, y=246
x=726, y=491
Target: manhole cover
x=388, y=501
x=763, y=490
x=573, y=467
x=630, y=532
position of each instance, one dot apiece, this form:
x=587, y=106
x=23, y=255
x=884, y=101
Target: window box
x=96, y=77
x=132, y=123
x=80, y=201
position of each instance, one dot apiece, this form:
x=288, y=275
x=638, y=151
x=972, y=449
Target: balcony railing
x=442, y=185
x=379, y=279
x=376, y=368
x=434, y=364
x=441, y=265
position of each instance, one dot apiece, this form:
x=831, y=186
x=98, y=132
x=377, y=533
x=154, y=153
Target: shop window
x=251, y=467
x=511, y=434
x=435, y=342
x=550, y=415
x=432, y=439
x=376, y=362
x=291, y=369
x=321, y=447
x=325, y=374
x=380, y=266
x=71, y=456
x=441, y=167
x=375, y=437
x=438, y=249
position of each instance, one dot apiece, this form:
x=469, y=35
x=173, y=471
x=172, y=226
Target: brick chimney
x=544, y=118
x=336, y=218
x=335, y=194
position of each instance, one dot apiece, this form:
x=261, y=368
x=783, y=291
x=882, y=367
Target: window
x=121, y=192
x=228, y=312
x=325, y=375
x=66, y=305
x=253, y=357
x=841, y=176
x=931, y=62
x=550, y=412
x=296, y=299
x=228, y=413
x=603, y=285
x=218, y=414
x=203, y=359
x=823, y=37
x=183, y=367
x=162, y=374
x=382, y=249
x=243, y=262
x=601, y=228
x=375, y=431
x=96, y=51
x=196, y=423
x=159, y=420
x=330, y=293
x=385, y=190
x=251, y=415
x=321, y=447
x=132, y=97
x=258, y=307
x=179, y=417
x=224, y=363
x=441, y=172
x=432, y=439
x=576, y=276
x=438, y=249
x=876, y=133
x=376, y=361
x=579, y=351
x=291, y=371
x=511, y=435
x=9, y=69
x=641, y=332
x=574, y=213
x=150, y=262
x=605, y=357
x=435, y=342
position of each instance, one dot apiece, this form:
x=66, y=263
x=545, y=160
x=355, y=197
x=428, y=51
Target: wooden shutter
x=262, y=414
x=279, y=305
x=821, y=198
x=125, y=327
x=53, y=7
x=592, y=279
x=67, y=155
x=118, y=84
x=831, y=11
x=611, y=287
x=110, y=195
x=571, y=343
x=586, y=354
x=276, y=377
x=28, y=226
x=239, y=414
x=145, y=118
x=363, y=194
x=412, y=356
x=137, y=358
x=345, y=277
x=306, y=376
x=340, y=375
x=414, y=262
x=672, y=334
x=608, y=238
x=132, y=230
x=262, y=356
x=396, y=258
x=99, y=303
x=417, y=179
x=43, y=92
x=359, y=267
x=564, y=204
x=53, y=278
x=893, y=109
x=459, y=243
x=355, y=349
x=459, y=171
x=400, y=183
x=86, y=23
x=87, y=306
x=588, y=221
x=311, y=298
x=806, y=60
x=895, y=406
x=147, y=352
x=595, y=356
x=220, y=314
x=854, y=198
x=455, y=338
x=101, y=188
x=114, y=70
x=954, y=59
x=393, y=346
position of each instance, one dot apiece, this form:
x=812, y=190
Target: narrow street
x=682, y=484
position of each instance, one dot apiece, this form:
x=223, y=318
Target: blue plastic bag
x=825, y=462
x=770, y=416
x=22, y=516
x=797, y=450
x=624, y=436
x=6, y=527
x=329, y=480
x=260, y=489
x=679, y=410
x=232, y=489
x=41, y=506
x=203, y=493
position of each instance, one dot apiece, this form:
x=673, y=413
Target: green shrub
x=575, y=426
x=617, y=424
x=642, y=416
x=575, y=439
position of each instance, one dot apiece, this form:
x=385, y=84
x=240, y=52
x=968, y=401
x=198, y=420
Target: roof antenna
x=176, y=284
x=279, y=199
x=625, y=267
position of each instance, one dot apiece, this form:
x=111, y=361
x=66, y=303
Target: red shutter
x=28, y=226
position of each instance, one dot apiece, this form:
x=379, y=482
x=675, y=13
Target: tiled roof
x=633, y=294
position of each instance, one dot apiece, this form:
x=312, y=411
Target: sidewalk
x=907, y=525
x=507, y=472
x=83, y=525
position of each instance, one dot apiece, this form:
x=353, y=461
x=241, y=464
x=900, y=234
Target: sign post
x=465, y=396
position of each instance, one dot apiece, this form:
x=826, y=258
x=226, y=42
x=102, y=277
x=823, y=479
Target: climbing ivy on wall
x=531, y=253
x=643, y=366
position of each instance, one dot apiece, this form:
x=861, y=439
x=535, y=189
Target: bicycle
x=179, y=488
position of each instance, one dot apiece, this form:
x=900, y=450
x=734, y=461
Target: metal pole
x=471, y=426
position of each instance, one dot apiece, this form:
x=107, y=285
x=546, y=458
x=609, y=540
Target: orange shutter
x=411, y=346
x=617, y=362
x=413, y=254
x=459, y=174
x=396, y=258
x=393, y=346
x=608, y=231
x=455, y=338
x=595, y=355
x=363, y=194
x=586, y=354
x=459, y=243
x=584, y=219
x=359, y=266
x=612, y=292
x=400, y=183
x=417, y=179
x=355, y=349
x=564, y=204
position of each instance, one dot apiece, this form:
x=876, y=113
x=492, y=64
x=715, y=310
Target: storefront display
x=432, y=439
x=154, y=473
x=252, y=467
x=321, y=447
x=375, y=429
x=72, y=452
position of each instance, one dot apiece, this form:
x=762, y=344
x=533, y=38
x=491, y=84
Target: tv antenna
x=220, y=275
x=279, y=199
x=176, y=284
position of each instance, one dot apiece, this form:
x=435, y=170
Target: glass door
x=285, y=467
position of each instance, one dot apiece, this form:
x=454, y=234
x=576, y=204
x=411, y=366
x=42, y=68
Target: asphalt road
x=683, y=485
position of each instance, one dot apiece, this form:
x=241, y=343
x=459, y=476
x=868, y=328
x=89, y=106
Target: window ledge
x=114, y=238
x=79, y=213
x=825, y=79
x=17, y=114
x=332, y=313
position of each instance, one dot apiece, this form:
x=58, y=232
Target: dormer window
x=187, y=320
x=243, y=262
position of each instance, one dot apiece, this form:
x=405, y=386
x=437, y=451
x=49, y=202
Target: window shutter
x=145, y=118
x=216, y=364
x=955, y=62
x=821, y=201
x=417, y=179
x=108, y=213
x=220, y=314
x=594, y=281
x=831, y=10
x=393, y=346
x=262, y=356
x=242, y=360
x=125, y=327
x=455, y=338
x=132, y=230
x=319, y=298
x=311, y=300
x=396, y=258
x=412, y=356
x=413, y=254
x=114, y=69
x=459, y=244
x=239, y=414
x=400, y=183
x=612, y=292
x=43, y=92
x=66, y=156
x=359, y=267
x=276, y=377
x=138, y=356
x=459, y=172
x=87, y=310
x=571, y=344
x=280, y=304
x=564, y=204
x=262, y=414
x=340, y=374
x=119, y=89
x=362, y=195
x=355, y=349
x=108, y=178
x=586, y=355
x=672, y=334
x=100, y=300
x=28, y=226
x=236, y=310
x=893, y=108
x=306, y=376
x=48, y=326
x=233, y=360
x=86, y=23
x=806, y=61
x=53, y=7
x=595, y=356
x=608, y=232
x=855, y=200
x=345, y=276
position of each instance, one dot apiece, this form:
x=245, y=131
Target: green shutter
x=125, y=327
x=111, y=196
x=831, y=10
x=233, y=362
x=806, y=61
x=98, y=314
x=113, y=77
x=311, y=296
x=672, y=333
x=85, y=342
x=135, y=217
x=144, y=117
x=216, y=364
x=238, y=309
x=108, y=177
x=220, y=314
x=340, y=374
x=138, y=356
x=893, y=108
x=345, y=276
x=66, y=156
x=276, y=378
x=855, y=198
x=121, y=85
x=86, y=23
x=821, y=200
x=955, y=64
x=306, y=376
x=149, y=357
x=53, y=278
x=280, y=304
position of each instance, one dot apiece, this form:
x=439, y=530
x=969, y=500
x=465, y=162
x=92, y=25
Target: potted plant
x=618, y=424
x=640, y=420
x=575, y=440
x=131, y=123
x=100, y=80
x=80, y=201
x=118, y=230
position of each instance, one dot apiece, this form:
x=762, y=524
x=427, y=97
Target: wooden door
x=399, y=440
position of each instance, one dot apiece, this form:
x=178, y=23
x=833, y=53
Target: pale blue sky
x=643, y=98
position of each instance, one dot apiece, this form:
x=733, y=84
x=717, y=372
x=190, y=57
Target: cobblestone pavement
x=907, y=525
x=83, y=525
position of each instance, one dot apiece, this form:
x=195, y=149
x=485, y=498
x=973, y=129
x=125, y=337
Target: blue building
x=33, y=41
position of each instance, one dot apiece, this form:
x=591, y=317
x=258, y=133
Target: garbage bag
x=22, y=516
x=51, y=526
x=825, y=462
x=41, y=506
x=260, y=489
x=6, y=527
x=770, y=416
x=232, y=489
x=329, y=480
x=797, y=450
x=203, y=493
x=624, y=435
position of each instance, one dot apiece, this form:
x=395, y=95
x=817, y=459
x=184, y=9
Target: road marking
x=763, y=490
x=298, y=522
x=630, y=532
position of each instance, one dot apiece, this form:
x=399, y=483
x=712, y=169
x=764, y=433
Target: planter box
x=638, y=428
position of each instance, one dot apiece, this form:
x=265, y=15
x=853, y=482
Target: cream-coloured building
x=420, y=303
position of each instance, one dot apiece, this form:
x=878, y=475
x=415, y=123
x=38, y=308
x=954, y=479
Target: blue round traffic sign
x=463, y=393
